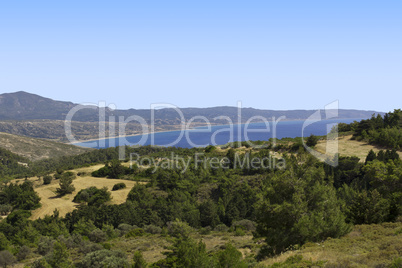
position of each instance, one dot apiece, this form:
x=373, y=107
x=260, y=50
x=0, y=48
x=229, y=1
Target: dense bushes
x=47, y=179
x=113, y=169
x=104, y=258
x=186, y=252
x=12, y=164
x=6, y=258
x=119, y=186
x=384, y=131
x=294, y=211
x=312, y=140
x=19, y=196
x=93, y=196
x=152, y=229
x=5, y=209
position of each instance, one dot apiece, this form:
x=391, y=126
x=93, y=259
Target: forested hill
x=25, y=106
x=12, y=164
x=379, y=130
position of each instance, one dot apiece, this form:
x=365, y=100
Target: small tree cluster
x=119, y=186
x=6, y=258
x=47, y=179
x=93, y=196
x=312, y=140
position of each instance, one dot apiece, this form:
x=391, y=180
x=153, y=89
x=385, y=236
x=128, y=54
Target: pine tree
x=371, y=156
x=139, y=261
x=296, y=209
x=66, y=184
x=312, y=141
x=60, y=257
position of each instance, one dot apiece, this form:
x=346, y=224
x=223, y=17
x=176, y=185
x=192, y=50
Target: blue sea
x=219, y=135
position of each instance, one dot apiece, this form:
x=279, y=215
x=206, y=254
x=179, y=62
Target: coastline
x=165, y=131
x=121, y=136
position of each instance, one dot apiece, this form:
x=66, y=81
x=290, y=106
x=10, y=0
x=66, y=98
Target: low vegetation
x=298, y=213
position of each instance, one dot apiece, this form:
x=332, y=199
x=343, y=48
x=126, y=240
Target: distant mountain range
x=26, y=106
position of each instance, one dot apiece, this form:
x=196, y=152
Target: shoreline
x=164, y=131
x=120, y=136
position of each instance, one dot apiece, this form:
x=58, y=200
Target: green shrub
x=47, y=179
x=124, y=228
x=312, y=141
x=5, y=209
x=178, y=228
x=84, y=227
x=40, y=263
x=119, y=186
x=245, y=224
x=206, y=230
x=6, y=258
x=59, y=257
x=45, y=245
x=152, y=229
x=186, y=252
x=210, y=148
x=239, y=232
x=396, y=263
x=23, y=253
x=107, y=246
x=135, y=232
x=87, y=247
x=97, y=236
x=221, y=228
x=73, y=241
x=109, y=231
x=104, y=258
x=230, y=257
x=113, y=169
x=93, y=196
x=4, y=243
x=139, y=261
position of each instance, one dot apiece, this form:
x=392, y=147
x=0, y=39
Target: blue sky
x=267, y=54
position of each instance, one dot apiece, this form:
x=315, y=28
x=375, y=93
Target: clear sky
x=267, y=54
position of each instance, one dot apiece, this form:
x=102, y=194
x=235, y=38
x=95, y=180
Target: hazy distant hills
x=30, y=115
x=25, y=106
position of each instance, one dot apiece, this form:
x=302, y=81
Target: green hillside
x=225, y=206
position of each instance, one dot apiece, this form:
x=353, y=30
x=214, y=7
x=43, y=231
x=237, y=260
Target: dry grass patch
x=348, y=147
x=50, y=201
x=151, y=246
x=366, y=246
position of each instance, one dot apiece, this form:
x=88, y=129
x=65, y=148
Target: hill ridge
x=22, y=105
